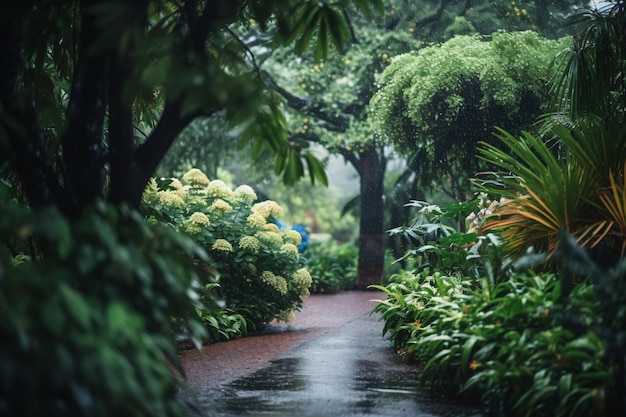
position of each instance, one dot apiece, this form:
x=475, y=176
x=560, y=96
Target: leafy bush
x=257, y=267
x=509, y=343
x=433, y=243
x=333, y=267
x=91, y=326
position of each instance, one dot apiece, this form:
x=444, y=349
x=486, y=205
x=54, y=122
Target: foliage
x=258, y=268
x=205, y=144
x=506, y=344
x=441, y=100
x=91, y=328
x=593, y=80
x=610, y=322
x=531, y=362
x=568, y=180
x=440, y=21
x=407, y=295
x=547, y=192
x=482, y=326
x=102, y=71
x=432, y=243
x=332, y=266
x=220, y=322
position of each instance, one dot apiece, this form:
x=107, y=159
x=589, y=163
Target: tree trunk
x=371, y=237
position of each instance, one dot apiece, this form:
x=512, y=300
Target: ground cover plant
x=333, y=267
x=252, y=265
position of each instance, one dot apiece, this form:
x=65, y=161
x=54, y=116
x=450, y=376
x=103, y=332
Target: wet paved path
x=331, y=361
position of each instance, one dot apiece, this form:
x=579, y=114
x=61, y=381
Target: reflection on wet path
x=350, y=371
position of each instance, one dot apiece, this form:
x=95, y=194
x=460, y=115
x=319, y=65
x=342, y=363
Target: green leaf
x=76, y=306
x=316, y=169
x=339, y=31
x=321, y=50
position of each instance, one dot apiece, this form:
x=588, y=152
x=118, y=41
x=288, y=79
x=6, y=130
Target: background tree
x=439, y=21
x=441, y=101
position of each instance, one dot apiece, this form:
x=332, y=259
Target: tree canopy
x=83, y=79
x=440, y=101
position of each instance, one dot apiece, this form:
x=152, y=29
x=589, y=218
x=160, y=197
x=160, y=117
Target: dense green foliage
x=482, y=326
x=441, y=101
x=506, y=343
x=87, y=329
x=257, y=267
x=332, y=266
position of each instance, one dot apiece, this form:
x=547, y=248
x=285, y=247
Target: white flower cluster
x=275, y=281
x=302, y=281
x=222, y=245
x=268, y=208
x=250, y=243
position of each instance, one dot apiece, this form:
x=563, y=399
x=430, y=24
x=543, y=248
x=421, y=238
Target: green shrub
x=258, y=269
x=412, y=306
x=91, y=327
x=434, y=244
x=333, y=267
x=511, y=344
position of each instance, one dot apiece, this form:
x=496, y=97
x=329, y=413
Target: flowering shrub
x=257, y=266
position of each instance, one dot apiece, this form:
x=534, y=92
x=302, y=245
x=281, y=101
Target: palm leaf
x=550, y=191
x=614, y=202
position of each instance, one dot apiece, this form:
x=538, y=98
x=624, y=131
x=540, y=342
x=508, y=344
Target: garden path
x=330, y=361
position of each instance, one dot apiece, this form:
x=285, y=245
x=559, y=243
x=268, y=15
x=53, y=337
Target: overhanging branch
x=334, y=123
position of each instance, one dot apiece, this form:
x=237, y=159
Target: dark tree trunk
x=121, y=142
x=83, y=147
x=371, y=242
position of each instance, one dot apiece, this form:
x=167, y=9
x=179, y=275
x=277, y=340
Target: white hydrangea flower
x=222, y=245
x=170, y=198
x=219, y=189
x=292, y=236
x=219, y=207
x=289, y=249
x=200, y=218
x=245, y=193
x=256, y=220
x=250, y=243
x=195, y=177
x=269, y=237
